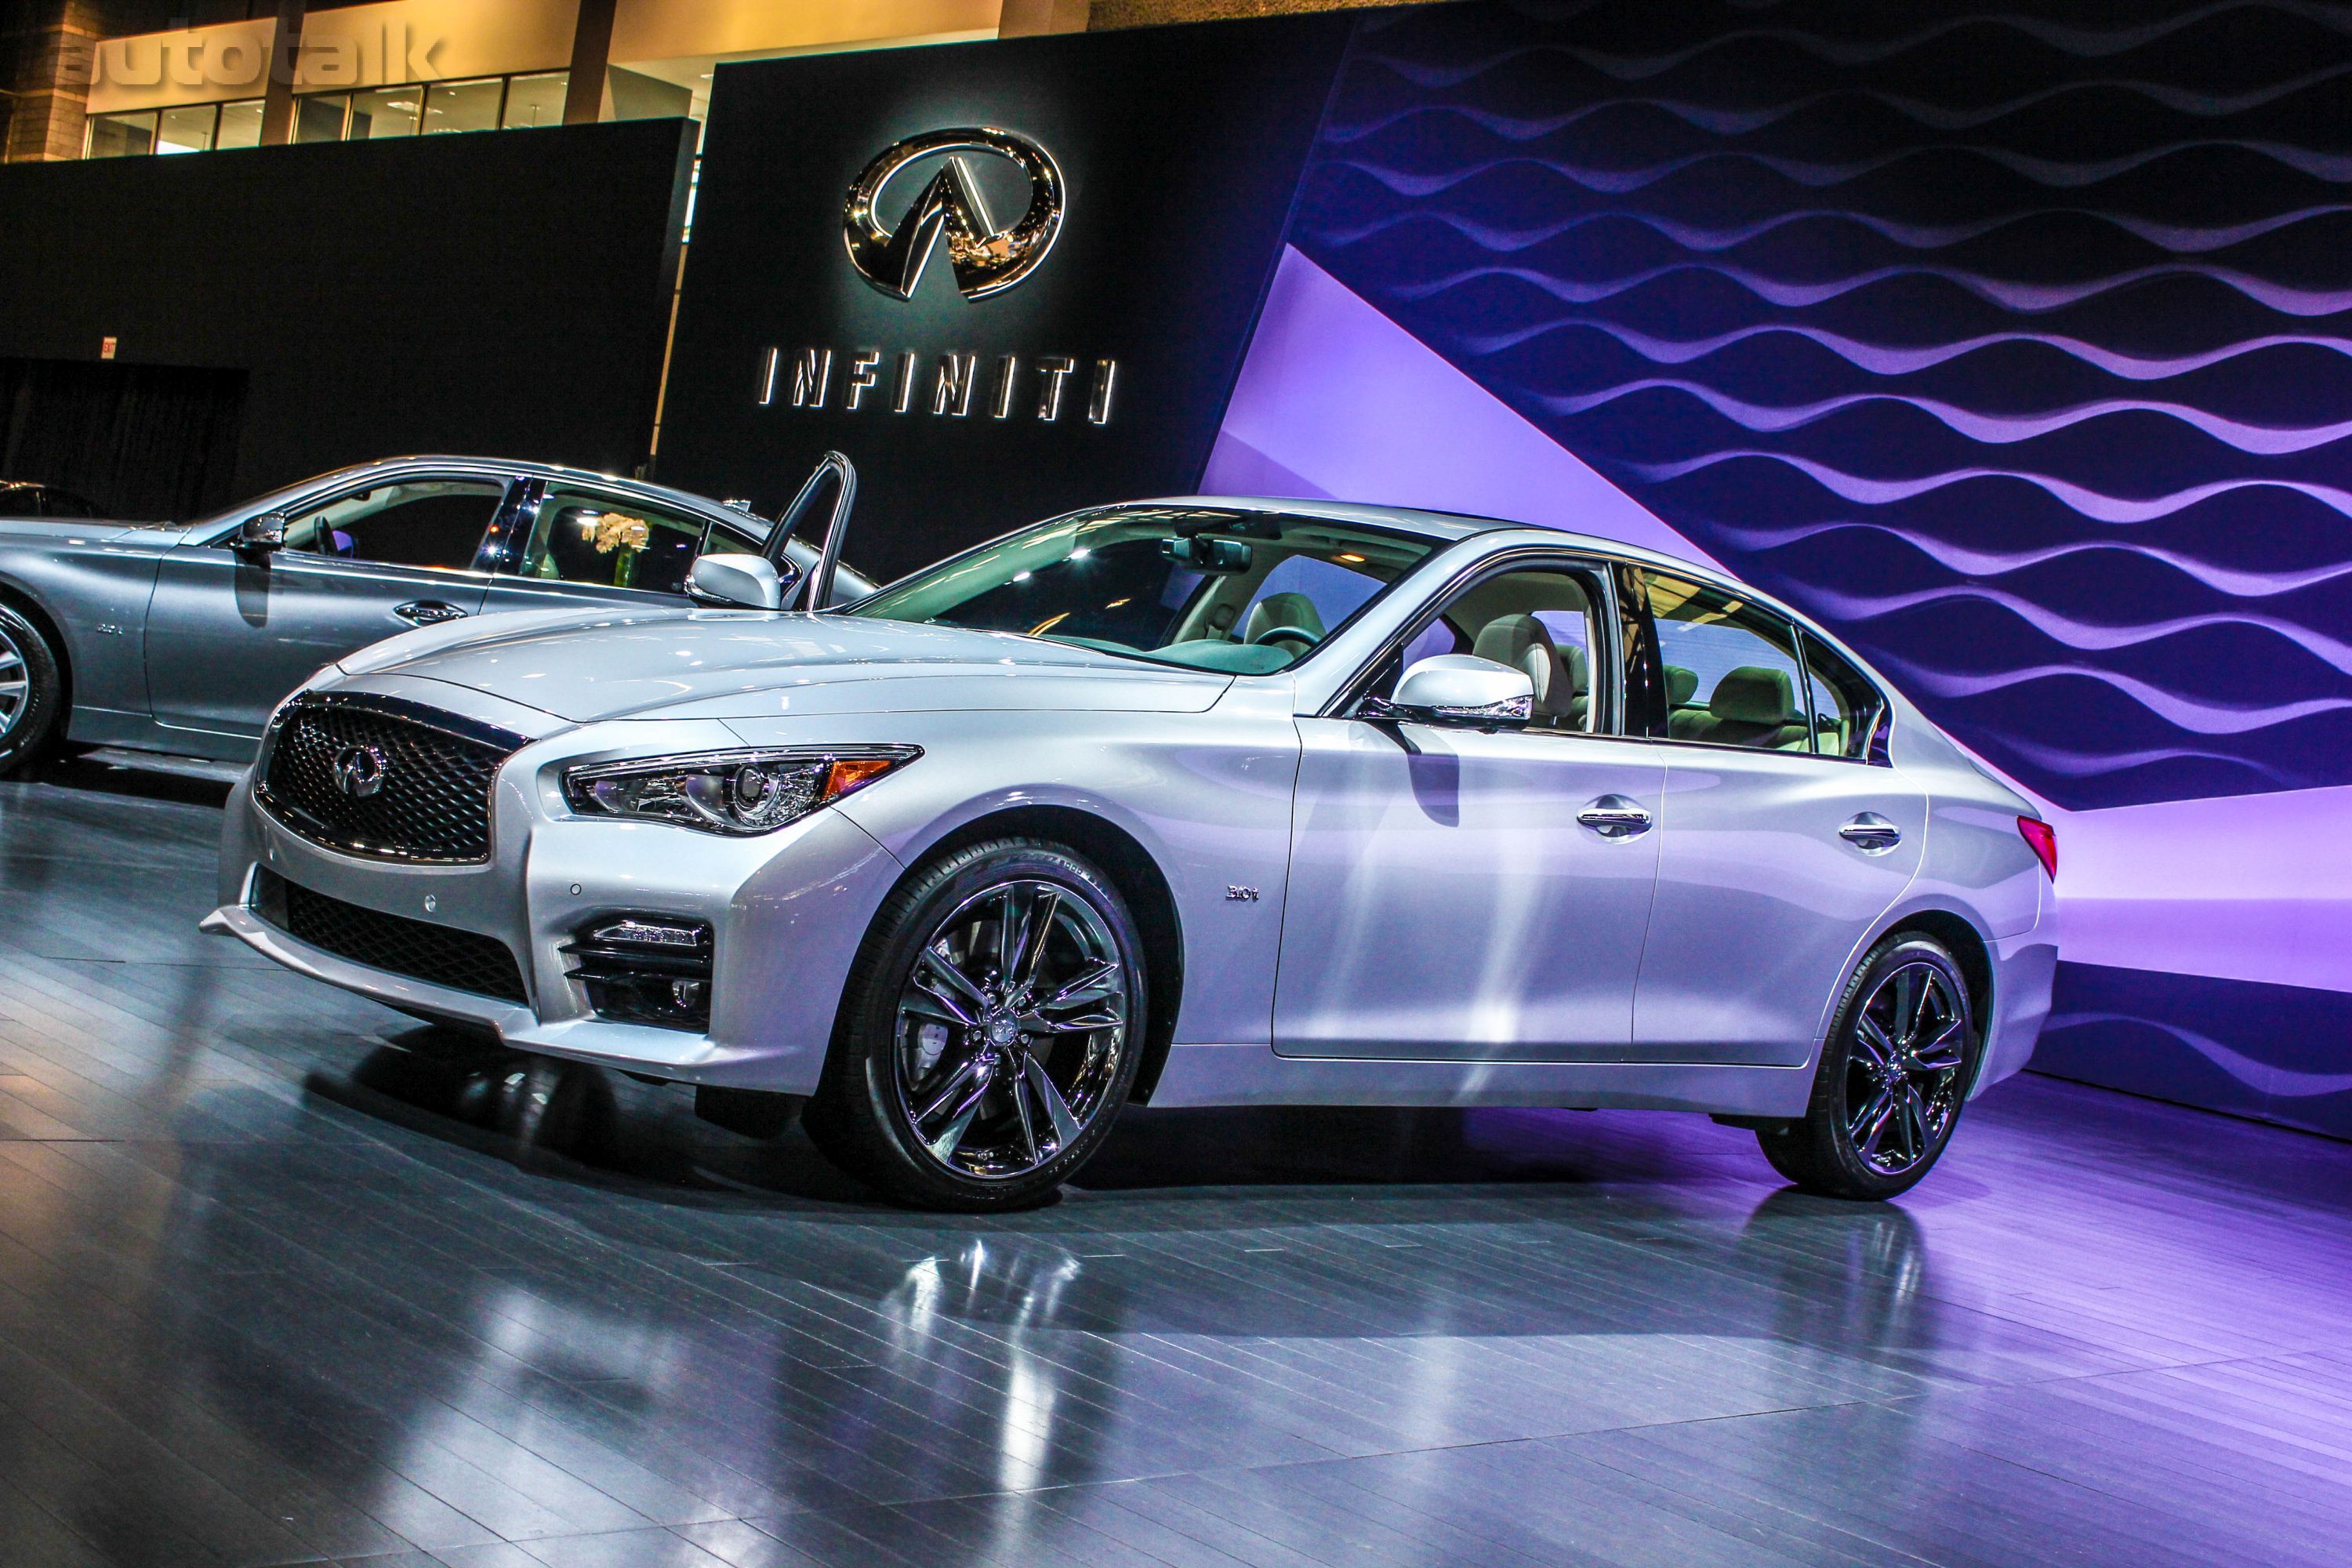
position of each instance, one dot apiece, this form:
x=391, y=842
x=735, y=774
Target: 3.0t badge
x=359, y=770
x=987, y=259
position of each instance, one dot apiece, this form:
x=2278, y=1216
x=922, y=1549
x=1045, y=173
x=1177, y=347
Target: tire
x=32, y=691
x=1879, y=1120
x=962, y=1078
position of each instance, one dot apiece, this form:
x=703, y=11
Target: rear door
x=1783, y=837
x=229, y=633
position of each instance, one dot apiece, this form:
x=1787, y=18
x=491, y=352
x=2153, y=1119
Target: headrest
x=1282, y=610
x=1753, y=694
x=1682, y=685
x=1523, y=643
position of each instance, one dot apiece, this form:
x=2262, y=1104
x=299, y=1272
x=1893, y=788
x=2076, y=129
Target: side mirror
x=260, y=535
x=726, y=578
x=1462, y=688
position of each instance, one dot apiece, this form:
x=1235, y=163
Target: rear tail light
x=2043, y=838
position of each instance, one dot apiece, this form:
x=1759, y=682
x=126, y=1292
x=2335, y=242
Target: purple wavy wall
x=2019, y=348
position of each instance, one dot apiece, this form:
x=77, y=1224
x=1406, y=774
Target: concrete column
x=277, y=97
x=51, y=85
x=592, y=56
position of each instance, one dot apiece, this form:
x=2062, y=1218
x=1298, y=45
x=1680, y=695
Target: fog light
x=645, y=969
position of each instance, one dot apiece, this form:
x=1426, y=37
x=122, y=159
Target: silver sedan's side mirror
x=260, y=535
x=726, y=578
x=1462, y=689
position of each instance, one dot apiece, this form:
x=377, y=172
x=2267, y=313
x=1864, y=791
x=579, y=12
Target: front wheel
x=1894, y=1071
x=31, y=691
x=990, y=1030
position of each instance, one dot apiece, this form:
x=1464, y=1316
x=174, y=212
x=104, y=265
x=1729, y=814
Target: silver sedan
x=1192, y=802
x=181, y=637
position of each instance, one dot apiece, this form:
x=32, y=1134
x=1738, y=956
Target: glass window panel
x=1732, y=677
x=463, y=106
x=580, y=536
x=187, y=130
x=121, y=136
x=240, y=124
x=320, y=119
x=1846, y=707
x=385, y=111
x=534, y=100
x=420, y=522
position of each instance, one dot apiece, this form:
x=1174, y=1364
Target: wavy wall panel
x=2016, y=343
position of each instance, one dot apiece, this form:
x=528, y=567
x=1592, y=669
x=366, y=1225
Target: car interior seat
x=1752, y=706
x=1561, y=682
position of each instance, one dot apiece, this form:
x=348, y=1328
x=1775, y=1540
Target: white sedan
x=1198, y=802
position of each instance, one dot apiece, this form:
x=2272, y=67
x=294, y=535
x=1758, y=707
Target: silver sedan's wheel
x=15, y=684
x=31, y=690
x=1903, y=1067
x=1894, y=1071
x=1011, y=1029
x=990, y=1031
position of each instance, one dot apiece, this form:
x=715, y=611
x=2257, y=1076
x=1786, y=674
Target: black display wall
x=140, y=441
x=505, y=294
x=1180, y=148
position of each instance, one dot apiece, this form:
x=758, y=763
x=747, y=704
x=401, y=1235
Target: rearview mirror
x=260, y=535
x=726, y=578
x=1462, y=688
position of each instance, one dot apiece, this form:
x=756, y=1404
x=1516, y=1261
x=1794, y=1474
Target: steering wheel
x=1286, y=633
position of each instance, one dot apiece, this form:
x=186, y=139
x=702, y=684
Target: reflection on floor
x=274, y=1287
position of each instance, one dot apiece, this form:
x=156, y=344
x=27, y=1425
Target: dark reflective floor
x=280, y=1284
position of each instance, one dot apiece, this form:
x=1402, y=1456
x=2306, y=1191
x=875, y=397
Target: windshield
x=1212, y=587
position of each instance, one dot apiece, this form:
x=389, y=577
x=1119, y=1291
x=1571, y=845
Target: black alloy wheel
x=990, y=1031
x=1896, y=1068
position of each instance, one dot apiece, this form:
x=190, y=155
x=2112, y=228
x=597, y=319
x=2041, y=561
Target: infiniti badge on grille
x=359, y=770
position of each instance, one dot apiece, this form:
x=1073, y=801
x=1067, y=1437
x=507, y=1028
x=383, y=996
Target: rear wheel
x=990, y=1030
x=1895, y=1072
x=31, y=691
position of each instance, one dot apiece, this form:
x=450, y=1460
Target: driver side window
x=1542, y=621
x=436, y=523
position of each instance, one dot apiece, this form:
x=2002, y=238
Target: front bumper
x=789, y=910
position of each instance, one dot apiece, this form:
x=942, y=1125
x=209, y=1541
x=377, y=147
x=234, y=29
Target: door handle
x=1614, y=816
x=1871, y=833
x=428, y=612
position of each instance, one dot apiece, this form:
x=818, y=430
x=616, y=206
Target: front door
x=229, y=633
x=1783, y=840
x=1458, y=894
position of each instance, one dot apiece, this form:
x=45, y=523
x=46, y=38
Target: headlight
x=756, y=790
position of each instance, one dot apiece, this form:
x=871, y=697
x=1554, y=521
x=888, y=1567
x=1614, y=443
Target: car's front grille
x=377, y=776
x=461, y=960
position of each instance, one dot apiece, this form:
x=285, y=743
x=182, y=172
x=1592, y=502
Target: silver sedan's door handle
x=1614, y=816
x=428, y=612
x=1871, y=833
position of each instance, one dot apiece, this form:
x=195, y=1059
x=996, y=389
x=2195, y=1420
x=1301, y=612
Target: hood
x=734, y=664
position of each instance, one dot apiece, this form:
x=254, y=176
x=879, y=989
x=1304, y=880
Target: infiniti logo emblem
x=987, y=259
x=359, y=770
